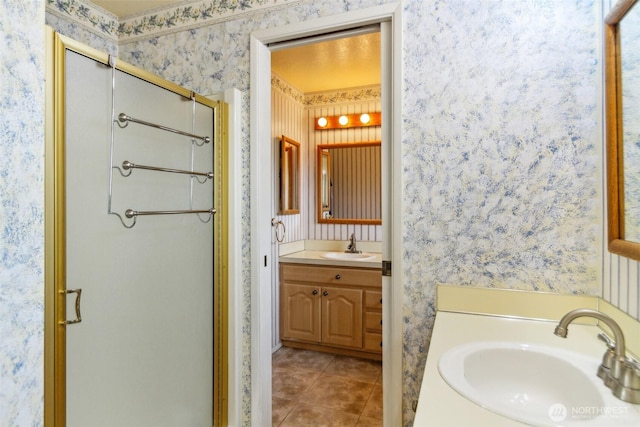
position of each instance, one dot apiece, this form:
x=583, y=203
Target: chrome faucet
x=352, y=245
x=621, y=374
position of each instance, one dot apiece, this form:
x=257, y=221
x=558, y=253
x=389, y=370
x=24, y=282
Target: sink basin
x=534, y=384
x=348, y=256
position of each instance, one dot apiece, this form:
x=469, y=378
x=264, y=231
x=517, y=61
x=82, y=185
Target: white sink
x=348, y=256
x=537, y=385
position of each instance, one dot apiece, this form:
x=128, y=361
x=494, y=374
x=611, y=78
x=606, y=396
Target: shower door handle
x=78, y=318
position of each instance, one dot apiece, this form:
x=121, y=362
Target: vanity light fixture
x=348, y=121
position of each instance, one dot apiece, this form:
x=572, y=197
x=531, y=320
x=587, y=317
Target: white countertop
x=440, y=406
x=315, y=257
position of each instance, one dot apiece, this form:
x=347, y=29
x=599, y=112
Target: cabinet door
x=300, y=312
x=342, y=317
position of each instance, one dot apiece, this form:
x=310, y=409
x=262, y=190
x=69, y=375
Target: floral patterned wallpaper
x=194, y=13
x=22, y=73
x=87, y=14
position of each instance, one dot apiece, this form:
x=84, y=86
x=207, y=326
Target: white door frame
x=389, y=16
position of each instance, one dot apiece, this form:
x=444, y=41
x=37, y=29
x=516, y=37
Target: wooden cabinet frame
x=331, y=309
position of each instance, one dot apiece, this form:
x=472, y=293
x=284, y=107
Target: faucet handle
x=604, y=370
x=608, y=341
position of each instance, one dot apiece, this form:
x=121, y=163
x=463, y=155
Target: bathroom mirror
x=349, y=183
x=622, y=61
x=289, y=176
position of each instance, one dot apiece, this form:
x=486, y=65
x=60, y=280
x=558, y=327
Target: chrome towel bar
x=130, y=213
x=123, y=118
x=127, y=165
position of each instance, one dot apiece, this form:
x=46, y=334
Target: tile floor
x=316, y=389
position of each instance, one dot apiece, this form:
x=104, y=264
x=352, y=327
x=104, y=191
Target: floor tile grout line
x=373, y=389
x=288, y=413
x=359, y=413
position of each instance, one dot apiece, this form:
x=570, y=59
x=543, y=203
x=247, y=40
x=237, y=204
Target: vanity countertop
x=316, y=258
x=440, y=405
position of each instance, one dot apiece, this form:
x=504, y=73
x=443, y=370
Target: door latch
x=386, y=268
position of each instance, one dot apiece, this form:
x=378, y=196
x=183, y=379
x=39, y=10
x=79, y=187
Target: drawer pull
x=380, y=321
x=337, y=277
x=325, y=293
x=315, y=292
x=380, y=300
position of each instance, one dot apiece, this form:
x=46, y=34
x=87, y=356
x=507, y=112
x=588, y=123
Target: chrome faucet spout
x=620, y=373
x=563, y=327
x=352, y=245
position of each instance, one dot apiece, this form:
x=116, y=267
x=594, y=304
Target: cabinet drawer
x=373, y=300
x=331, y=275
x=373, y=322
x=373, y=342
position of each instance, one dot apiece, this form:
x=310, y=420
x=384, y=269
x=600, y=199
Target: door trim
x=233, y=98
x=260, y=71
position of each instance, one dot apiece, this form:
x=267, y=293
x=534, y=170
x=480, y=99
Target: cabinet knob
x=381, y=321
x=337, y=277
x=315, y=292
x=325, y=293
x=380, y=300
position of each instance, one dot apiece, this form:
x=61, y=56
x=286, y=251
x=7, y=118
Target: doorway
x=388, y=17
x=333, y=75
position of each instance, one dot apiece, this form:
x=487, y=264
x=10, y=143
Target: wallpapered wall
x=287, y=118
x=22, y=71
x=509, y=122
x=501, y=139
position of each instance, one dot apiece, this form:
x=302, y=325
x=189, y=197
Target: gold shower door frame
x=55, y=230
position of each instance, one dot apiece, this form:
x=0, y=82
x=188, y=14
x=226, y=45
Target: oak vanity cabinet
x=337, y=309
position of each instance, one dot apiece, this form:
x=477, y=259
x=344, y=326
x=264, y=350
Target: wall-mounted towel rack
x=127, y=165
x=123, y=118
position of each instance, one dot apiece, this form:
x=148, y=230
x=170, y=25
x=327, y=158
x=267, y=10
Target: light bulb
x=343, y=120
x=322, y=122
x=365, y=118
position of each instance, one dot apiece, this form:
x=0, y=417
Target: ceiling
x=337, y=64
x=122, y=8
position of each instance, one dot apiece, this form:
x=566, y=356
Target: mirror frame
x=323, y=193
x=288, y=178
x=614, y=148
x=321, y=220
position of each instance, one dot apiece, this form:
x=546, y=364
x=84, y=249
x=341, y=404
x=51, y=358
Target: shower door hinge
x=386, y=268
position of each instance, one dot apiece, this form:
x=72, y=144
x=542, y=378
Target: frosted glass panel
x=143, y=354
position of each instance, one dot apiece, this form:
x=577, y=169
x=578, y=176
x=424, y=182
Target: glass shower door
x=143, y=353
